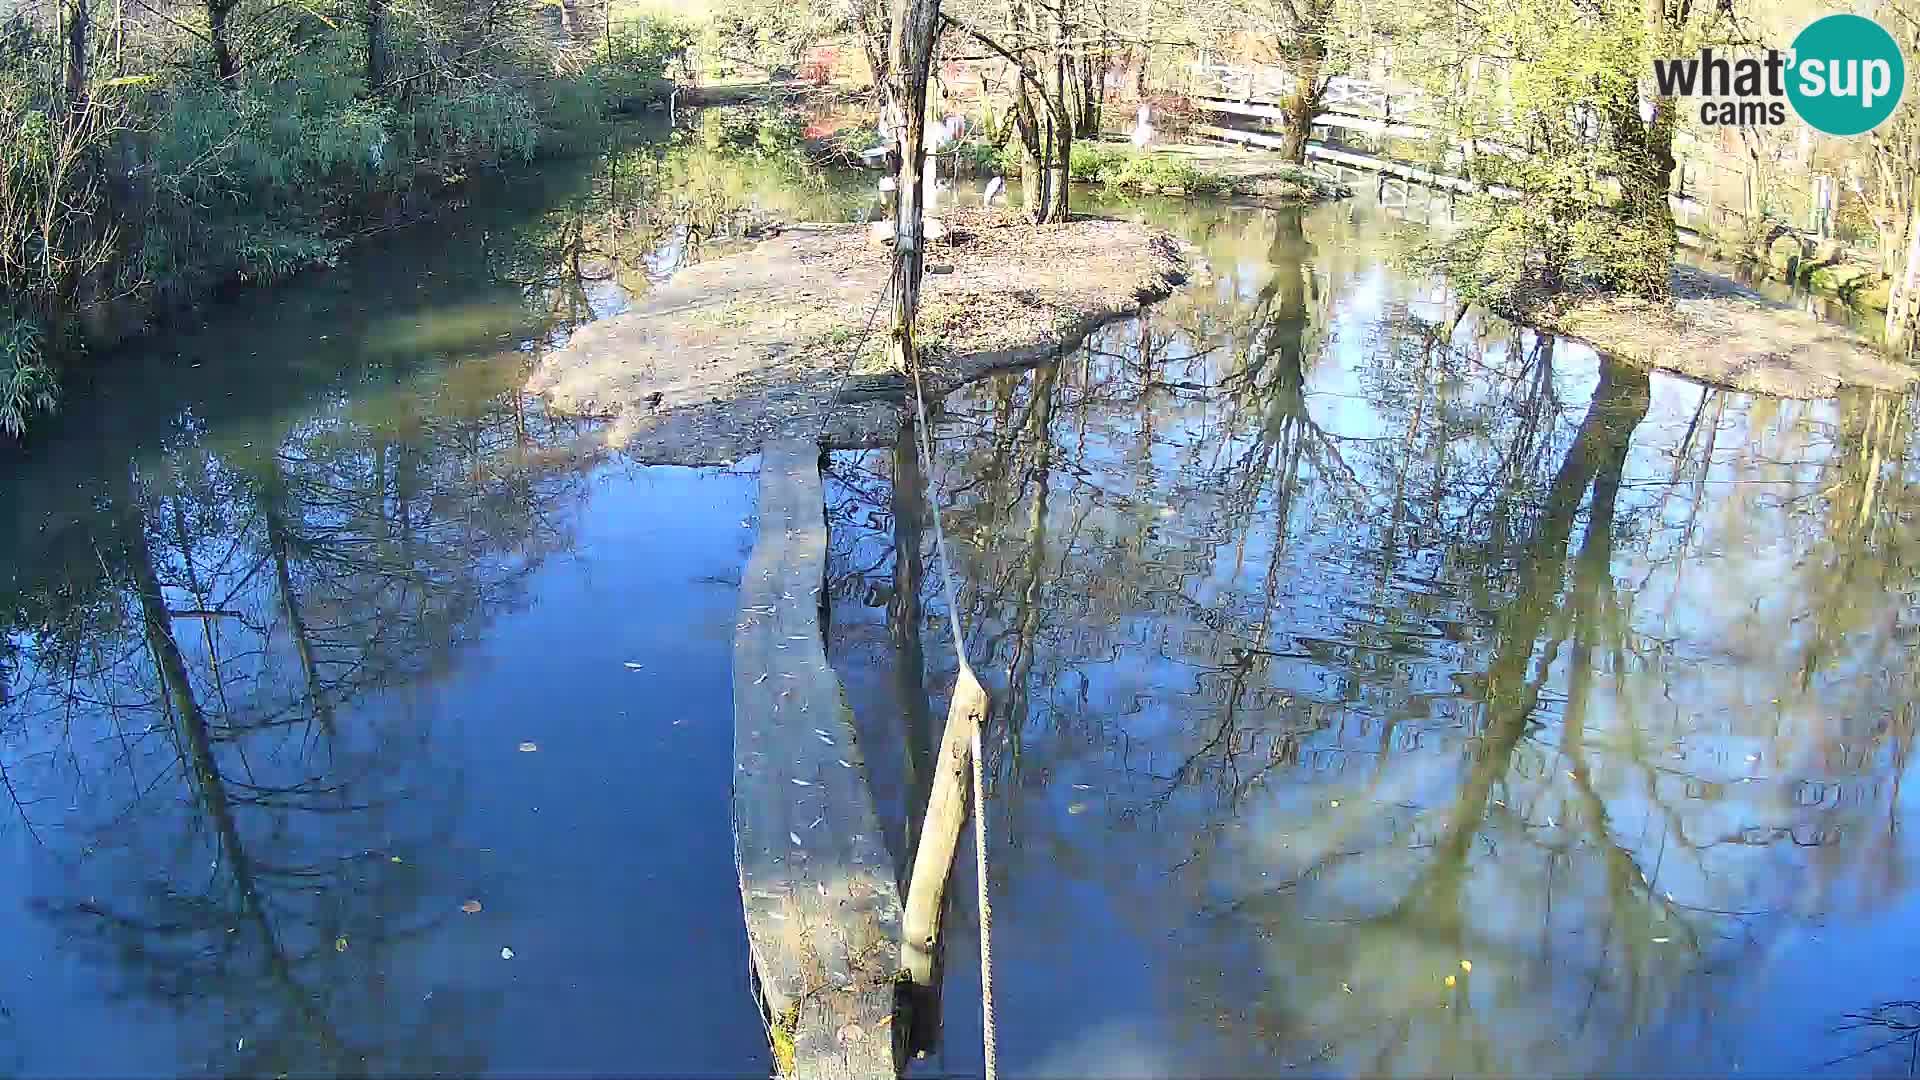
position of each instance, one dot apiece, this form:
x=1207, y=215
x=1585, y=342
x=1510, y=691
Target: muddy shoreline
x=765, y=343
x=1721, y=333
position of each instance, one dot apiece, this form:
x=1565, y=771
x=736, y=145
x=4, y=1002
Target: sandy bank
x=1726, y=335
x=739, y=349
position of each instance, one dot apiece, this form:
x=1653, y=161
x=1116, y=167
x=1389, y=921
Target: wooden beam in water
x=816, y=883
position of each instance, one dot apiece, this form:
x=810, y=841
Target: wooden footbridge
x=1248, y=98
x=839, y=960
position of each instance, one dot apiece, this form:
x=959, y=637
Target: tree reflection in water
x=1410, y=693
x=232, y=842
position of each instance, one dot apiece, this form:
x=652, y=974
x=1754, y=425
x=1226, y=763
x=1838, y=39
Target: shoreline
x=764, y=343
x=1724, y=334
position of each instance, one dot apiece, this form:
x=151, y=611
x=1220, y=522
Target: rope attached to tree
x=965, y=675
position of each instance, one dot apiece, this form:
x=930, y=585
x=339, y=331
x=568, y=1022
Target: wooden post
x=914, y=26
x=940, y=831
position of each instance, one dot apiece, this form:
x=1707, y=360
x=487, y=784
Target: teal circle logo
x=1846, y=75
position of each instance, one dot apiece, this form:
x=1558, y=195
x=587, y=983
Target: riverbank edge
x=786, y=339
x=1720, y=333
x=108, y=325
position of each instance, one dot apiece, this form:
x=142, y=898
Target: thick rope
x=988, y=1051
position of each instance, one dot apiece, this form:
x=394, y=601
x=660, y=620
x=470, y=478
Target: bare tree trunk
x=1902, y=306
x=379, y=50
x=914, y=25
x=79, y=27
x=1060, y=163
x=1309, y=65
x=1033, y=143
x=224, y=63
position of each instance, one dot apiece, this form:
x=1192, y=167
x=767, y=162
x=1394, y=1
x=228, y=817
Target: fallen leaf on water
x=1077, y=808
x=795, y=837
x=470, y=907
x=1335, y=803
x=1661, y=940
x=1346, y=988
x=506, y=953
x=1451, y=980
x=393, y=858
x=528, y=747
x=339, y=944
x=1466, y=966
x=803, y=783
x=631, y=666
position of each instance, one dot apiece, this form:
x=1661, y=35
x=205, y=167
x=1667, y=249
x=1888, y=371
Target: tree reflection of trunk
x=904, y=615
x=280, y=540
x=1433, y=907
x=1020, y=670
x=203, y=770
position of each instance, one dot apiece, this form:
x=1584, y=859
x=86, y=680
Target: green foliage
x=771, y=36
x=485, y=125
x=1089, y=161
x=1124, y=167
x=981, y=158
x=27, y=383
x=1153, y=172
x=769, y=134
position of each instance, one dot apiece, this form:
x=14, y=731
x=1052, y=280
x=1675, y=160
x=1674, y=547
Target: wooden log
x=940, y=829
x=816, y=883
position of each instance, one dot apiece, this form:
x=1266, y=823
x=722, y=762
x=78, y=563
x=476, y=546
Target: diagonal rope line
x=989, y=1052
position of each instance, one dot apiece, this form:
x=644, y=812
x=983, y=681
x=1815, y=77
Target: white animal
x=995, y=188
x=1143, y=127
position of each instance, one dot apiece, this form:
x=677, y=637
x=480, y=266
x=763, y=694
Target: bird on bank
x=995, y=188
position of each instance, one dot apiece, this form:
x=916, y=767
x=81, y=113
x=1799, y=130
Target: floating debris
x=529, y=747
x=795, y=837
x=340, y=944
x=1466, y=966
x=802, y=783
x=1451, y=981
x=506, y=953
x=844, y=764
x=631, y=666
x=471, y=907
x=816, y=823
x=1661, y=940
x=759, y=680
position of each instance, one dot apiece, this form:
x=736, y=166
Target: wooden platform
x=816, y=881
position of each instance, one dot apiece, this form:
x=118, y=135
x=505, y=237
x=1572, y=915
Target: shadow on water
x=1385, y=692
x=1379, y=691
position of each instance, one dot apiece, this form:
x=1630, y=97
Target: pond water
x=1376, y=694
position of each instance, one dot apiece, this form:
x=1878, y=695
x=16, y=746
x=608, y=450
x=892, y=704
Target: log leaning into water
x=940, y=831
x=816, y=883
